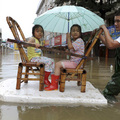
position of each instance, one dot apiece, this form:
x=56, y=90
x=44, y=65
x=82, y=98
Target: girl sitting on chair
x=34, y=54
x=77, y=47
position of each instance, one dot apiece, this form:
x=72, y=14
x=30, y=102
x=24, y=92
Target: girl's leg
x=58, y=66
x=49, y=63
x=55, y=77
x=63, y=64
x=49, y=66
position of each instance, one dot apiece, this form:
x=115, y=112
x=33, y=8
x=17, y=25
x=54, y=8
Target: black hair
x=117, y=13
x=35, y=27
x=79, y=27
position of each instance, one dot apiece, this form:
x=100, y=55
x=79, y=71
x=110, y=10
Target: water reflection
x=0, y=57
x=9, y=112
x=38, y=112
x=8, y=63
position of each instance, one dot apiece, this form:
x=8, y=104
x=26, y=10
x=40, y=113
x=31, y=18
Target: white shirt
x=118, y=39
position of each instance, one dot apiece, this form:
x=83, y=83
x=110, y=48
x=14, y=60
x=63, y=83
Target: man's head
x=117, y=20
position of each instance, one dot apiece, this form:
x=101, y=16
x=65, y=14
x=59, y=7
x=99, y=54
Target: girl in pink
x=76, y=46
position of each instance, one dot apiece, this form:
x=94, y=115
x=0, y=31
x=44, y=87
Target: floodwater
x=98, y=73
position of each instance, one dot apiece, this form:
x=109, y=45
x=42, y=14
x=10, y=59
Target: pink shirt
x=78, y=49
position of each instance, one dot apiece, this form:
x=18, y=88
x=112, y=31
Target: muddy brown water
x=98, y=73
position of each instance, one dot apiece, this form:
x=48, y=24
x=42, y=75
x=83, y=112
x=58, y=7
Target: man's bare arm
x=107, y=39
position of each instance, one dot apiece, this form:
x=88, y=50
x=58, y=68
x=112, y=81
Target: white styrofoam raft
x=29, y=93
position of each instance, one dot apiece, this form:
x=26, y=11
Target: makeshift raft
x=29, y=93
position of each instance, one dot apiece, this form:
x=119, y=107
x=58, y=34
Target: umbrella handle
x=68, y=20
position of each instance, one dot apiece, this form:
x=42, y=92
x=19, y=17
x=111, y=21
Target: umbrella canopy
x=60, y=19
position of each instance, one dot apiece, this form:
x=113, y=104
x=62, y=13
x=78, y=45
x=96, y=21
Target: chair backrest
x=94, y=39
x=18, y=35
x=90, y=40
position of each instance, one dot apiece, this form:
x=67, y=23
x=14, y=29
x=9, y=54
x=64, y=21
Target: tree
x=101, y=7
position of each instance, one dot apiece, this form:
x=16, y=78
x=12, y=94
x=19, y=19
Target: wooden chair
x=26, y=69
x=79, y=71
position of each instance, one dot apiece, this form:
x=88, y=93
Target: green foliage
x=60, y=2
x=92, y=5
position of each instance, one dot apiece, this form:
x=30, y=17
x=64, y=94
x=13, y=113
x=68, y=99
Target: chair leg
x=79, y=82
x=62, y=82
x=26, y=75
x=83, y=85
x=19, y=75
x=41, y=85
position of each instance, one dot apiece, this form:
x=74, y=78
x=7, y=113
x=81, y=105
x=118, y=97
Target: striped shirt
x=78, y=49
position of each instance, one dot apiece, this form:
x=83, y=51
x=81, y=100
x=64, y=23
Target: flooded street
x=98, y=73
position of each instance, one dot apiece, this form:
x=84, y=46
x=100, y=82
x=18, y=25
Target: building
x=0, y=36
x=45, y=5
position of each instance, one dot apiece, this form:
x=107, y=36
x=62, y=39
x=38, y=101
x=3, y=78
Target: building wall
x=0, y=36
x=106, y=1
x=45, y=5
